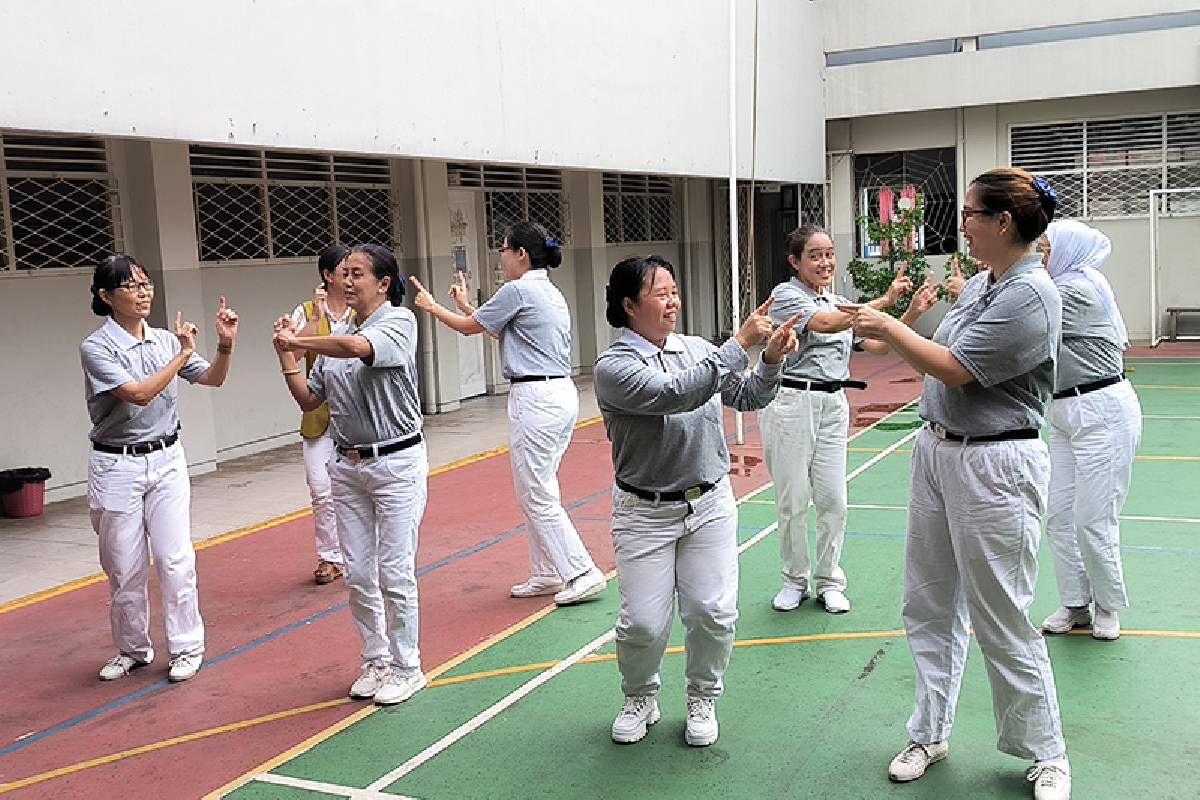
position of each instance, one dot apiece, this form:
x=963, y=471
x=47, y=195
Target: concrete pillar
x=162, y=236
x=586, y=262
x=425, y=232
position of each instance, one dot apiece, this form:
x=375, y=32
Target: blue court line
x=153, y=688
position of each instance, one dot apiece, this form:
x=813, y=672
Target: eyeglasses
x=504, y=247
x=968, y=212
x=138, y=287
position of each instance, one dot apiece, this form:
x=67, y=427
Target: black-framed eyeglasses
x=968, y=212
x=137, y=287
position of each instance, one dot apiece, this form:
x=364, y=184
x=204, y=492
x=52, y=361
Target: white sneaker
x=184, y=667
x=370, y=681
x=398, y=687
x=702, y=728
x=788, y=599
x=915, y=759
x=589, y=584
x=1065, y=619
x=537, y=586
x=121, y=665
x=835, y=601
x=1106, y=627
x=636, y=717
x=1051, y=780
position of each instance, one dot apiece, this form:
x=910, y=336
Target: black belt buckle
x=938, y=431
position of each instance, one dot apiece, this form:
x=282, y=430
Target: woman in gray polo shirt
x=138, y=489
x=1095, y=429
x=980, y=475
x=530, y=318
x=674, y=518
x=367, y=373
x=805, y=427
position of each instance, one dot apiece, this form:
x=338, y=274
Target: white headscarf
x=1077, y=250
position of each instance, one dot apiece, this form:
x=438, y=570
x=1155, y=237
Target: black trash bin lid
x=11, y=480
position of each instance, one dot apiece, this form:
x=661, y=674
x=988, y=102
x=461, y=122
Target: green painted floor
x=807, y=716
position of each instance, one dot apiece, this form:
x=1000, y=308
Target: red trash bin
x=23, y=491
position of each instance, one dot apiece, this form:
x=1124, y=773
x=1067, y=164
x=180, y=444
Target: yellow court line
x=1167, y=387
x=89, y=580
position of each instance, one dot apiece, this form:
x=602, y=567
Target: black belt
x=822, y=386
x=376, y=450
x=690, y=494
x=1006, y=436
x=139, y=449
x=532, y=378
x=1084, y=388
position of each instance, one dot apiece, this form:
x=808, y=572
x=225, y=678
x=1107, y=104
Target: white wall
x=1095, y=66
x=858, y=24
x=612, y=84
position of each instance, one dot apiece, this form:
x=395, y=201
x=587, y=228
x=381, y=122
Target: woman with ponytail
x=980, y=476
x=530, y=318
x=367, y=373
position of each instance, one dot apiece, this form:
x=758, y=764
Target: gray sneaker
x=1107, y=626
x=915, y=759
x=1063, y=620
x=370, y=681
x=636, y=717
x=398, y=687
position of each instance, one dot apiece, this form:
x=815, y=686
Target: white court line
x=1150, y=362
x=1165, y=416
x=473, y=724
x=1127, y=517
x=329, y=788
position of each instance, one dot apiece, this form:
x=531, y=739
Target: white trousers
x=379, y=504
x=317, y=455
x=667, y=548
x=974, y=524
x=1093, y=440
x=804, y=443
x=541, y=418
x=141, y=507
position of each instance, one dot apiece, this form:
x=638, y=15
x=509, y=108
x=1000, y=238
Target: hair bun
x=552, y=243
x=1046, y=193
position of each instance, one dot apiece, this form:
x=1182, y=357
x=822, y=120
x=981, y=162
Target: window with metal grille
x=58, y=202
x=514, y=194
x=931, y=173
x=1107, y=167
x=261, y=204
x=638, y=208
x=812, y=204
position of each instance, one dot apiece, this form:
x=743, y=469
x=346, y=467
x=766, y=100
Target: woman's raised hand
x=185, y=332
x=956, y=281
x=924, y=298
x=783, y=341
x=901, y=286
x=284, y=339
x=869, y=323
x=227, y=323
x=460, y=292
x=758, y=326
x=423, y=299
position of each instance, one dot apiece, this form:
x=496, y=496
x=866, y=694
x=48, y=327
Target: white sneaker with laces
x=1051, y=780
x=121, y=665
x=702, y=728
x=184, y=667
x=369, y=682
x=398, y=687
x=636, y=717
x=788, y=599
x=537, y=586
x=1107, y=626
x=835, y=601
x=589, y=584
x=1063, y=620
x=915, y=759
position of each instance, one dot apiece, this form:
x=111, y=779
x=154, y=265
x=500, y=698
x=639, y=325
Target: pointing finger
x=416, y=283
x=903, y=268
x=957, y=268
x=222, y=306
x=762, y=310
x=791, y=323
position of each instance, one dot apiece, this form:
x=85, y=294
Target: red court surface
x=277, y=643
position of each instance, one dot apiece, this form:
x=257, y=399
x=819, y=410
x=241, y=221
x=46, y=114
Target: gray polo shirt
x=1005, y=333
x=1091, y=347
x=662, y=408
x=374, y=403
x=112, y=357
x=531, y=318
x=821, y=356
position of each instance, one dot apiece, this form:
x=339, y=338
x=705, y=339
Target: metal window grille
x=262, y=204
x=515, y=194
x=746, y=291
x=813, y=205
x=639, y=208
x=1108, y=167
x=59, y=206
x=931, y=172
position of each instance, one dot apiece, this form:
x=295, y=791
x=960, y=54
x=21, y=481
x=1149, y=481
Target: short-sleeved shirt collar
x=535, y=275
x=121, y=337
x=1023, y=265
x=376, y=315
x=824, y=295
x=646, y=348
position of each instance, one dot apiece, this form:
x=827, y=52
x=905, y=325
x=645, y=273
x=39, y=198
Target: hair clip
x=551, y=243
x=1044, y=188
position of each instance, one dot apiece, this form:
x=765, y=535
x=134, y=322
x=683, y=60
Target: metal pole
x=735, y=283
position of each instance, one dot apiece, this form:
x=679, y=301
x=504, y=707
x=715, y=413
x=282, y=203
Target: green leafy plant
x=897, y=238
